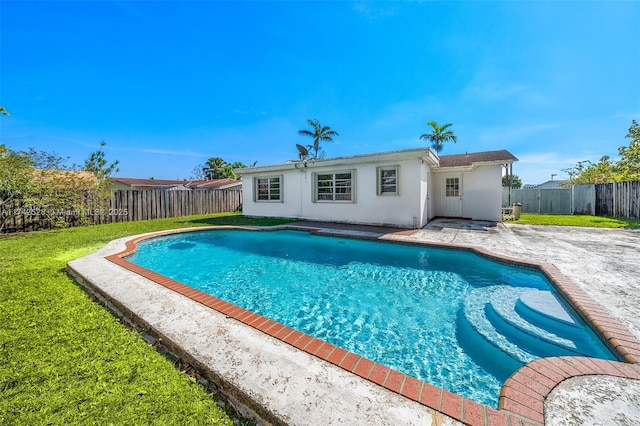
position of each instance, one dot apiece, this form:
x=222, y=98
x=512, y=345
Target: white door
x=452, y=195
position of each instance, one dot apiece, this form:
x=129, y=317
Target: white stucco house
x=400, y=188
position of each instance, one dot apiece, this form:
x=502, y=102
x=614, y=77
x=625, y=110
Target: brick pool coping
x=523, y=394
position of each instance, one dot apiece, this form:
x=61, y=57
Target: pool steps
x=515, y=319
x=521, y=325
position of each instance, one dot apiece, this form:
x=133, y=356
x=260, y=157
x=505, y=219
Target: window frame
x=333, y=185
x=380, y=180
x=271, y=181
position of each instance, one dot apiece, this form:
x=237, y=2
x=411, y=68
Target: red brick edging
x=522, y=396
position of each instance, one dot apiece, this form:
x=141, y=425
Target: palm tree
x=213, y=168
x=319, y=133
x=439, y=135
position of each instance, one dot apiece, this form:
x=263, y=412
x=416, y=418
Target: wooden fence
x=123, y=206
x=619, y=200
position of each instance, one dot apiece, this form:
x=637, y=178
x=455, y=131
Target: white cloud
x=627, y=115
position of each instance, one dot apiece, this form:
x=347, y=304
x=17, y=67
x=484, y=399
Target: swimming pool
x=449, y=317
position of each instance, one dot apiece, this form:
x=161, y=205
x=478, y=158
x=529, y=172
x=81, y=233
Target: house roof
x=165, y=183
x=66, y=178
x=424, y=154
x=215, y=183
x=551, y=184
x=147, y=182
x=468, y=159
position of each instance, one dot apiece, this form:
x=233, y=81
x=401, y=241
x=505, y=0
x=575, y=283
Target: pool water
x=448, y=317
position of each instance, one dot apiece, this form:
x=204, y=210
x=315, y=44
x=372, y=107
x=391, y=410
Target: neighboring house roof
x=471, y=158
x=225, y=183
x=135, y=183
x=65, y=178
x=551, y=184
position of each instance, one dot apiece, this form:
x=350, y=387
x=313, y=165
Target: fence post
x=572, y=208
x=614, y=206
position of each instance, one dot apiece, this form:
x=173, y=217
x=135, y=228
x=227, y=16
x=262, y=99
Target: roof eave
x=418, y=154
x=475, y=165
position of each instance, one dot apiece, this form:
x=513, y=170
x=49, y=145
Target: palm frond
x=439, y=135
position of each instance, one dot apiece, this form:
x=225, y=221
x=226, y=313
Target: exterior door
x=452, y=195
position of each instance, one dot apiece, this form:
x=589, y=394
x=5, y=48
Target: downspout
x=302, y=172
x=510, y=181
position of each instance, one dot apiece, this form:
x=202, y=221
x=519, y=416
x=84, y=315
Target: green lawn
x=575, y=220
x=64, y=359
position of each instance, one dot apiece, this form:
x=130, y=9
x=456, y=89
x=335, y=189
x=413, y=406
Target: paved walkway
x=604, y=263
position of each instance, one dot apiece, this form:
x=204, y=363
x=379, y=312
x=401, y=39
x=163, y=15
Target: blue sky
x=169, y=84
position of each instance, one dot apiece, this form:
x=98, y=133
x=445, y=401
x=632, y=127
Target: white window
x=388, y=180
x=268, y=188
x=452, y=187
x=337, y=186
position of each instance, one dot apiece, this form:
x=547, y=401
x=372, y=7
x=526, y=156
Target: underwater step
x=486, y=354
x=536, y=333
x=542, y=307
x=529, y=327
x=475, y=315
x=526, y=324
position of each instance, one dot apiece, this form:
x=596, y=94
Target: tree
x=44, y=160
x=198, y=173
x=213, y=168
x=38, y=183
x=587, y=172
x=439, y=135
x=97, y=164
x=3, y=111
x=319, y=134
x=217, y=168
x=627, y=168
x=16, y=182
x=516, y=182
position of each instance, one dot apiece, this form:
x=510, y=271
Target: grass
x=64, y=359
x=575, y=220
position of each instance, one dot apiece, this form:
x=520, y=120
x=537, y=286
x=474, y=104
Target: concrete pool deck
x=262, y=367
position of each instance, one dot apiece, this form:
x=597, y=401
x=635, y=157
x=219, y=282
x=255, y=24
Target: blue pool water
x=449, y=317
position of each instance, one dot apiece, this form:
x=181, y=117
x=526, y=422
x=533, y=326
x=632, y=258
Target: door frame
x=454, y=201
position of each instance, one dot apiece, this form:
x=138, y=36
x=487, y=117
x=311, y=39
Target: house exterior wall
x=481, y=192
x=407, y=209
